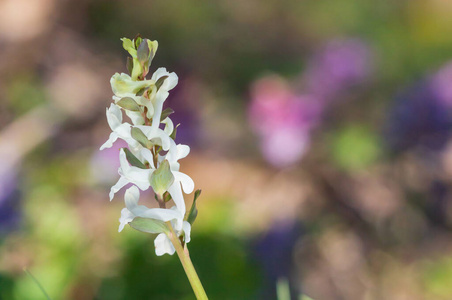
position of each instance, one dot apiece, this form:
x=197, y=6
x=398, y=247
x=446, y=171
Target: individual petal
x=109, y=143
x=186, y=227
x=178, y=222
x=131, y=197
x=114, y=116
x=160, y=72
x=164, y=138
x=163, y=245
x=169, y=82
x=158, y=100
x=161, y=214
x=147, y=156
x=182, y=151
x=176, y=193
x=135, y=117
x=119, y=185
x=123, y=131
x=126, y=217
x=124, y=164
x=171, y=156
x=187, y=183
x=158, y=135
x=137, y=176
x=150, y=108
x=169, y=126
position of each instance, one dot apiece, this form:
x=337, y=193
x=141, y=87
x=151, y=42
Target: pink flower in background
x=282, y=120
x=105, y=164
x=341, y=65
x=441, y=84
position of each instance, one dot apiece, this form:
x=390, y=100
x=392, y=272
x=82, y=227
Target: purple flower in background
x=282, y=120
x=418, y=119
x=274, y=253
x=341, y=65
x=10, y=214
x=184, y=101
x=441, y=84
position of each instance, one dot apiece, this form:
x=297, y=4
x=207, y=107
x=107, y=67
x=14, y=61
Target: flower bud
x=162, y=178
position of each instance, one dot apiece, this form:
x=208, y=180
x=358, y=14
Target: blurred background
x=321, y=136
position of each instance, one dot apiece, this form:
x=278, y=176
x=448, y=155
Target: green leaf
x=166, y=197
x=148, y=225
x=140, y=137
x=129, y=46
x=129, y=64
x=153, y=45
x=168, y=111
x=193, y=212
x=137, y=41
x=143, y=52
x=133, y=160
x=173, y=134
x=129, y=104
x=162, y=178
x=160, y=81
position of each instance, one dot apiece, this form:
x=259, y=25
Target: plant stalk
x=182, y=252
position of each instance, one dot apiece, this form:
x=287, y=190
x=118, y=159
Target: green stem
x=184, y=257
x=37, y=283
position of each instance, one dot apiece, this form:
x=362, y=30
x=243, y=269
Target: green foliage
x=355, y=147
x=149, y=225
x=193, y=212
x=221, y=262
x=141, y=138
x=160, y=81
x=437, y=277
x=165, y=113
x=25, y=92
x=129, y=104
x=133, y=160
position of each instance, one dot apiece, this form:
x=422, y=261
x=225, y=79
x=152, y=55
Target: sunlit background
x=321, y=137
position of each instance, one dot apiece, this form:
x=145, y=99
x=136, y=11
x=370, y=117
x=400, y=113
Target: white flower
x=180, y=179
x=169, y=82
x=131, y=174
x=133, y=210
x=159, y=98
x=176, y=152
x=122, y=84
x=156, y=136
x=136, y=116
x=120, y=130
x=163, y=244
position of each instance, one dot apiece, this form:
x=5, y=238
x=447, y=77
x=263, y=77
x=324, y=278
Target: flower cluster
x=151, y=159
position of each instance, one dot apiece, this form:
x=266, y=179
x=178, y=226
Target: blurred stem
x=182, y=252
x=37, y=283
